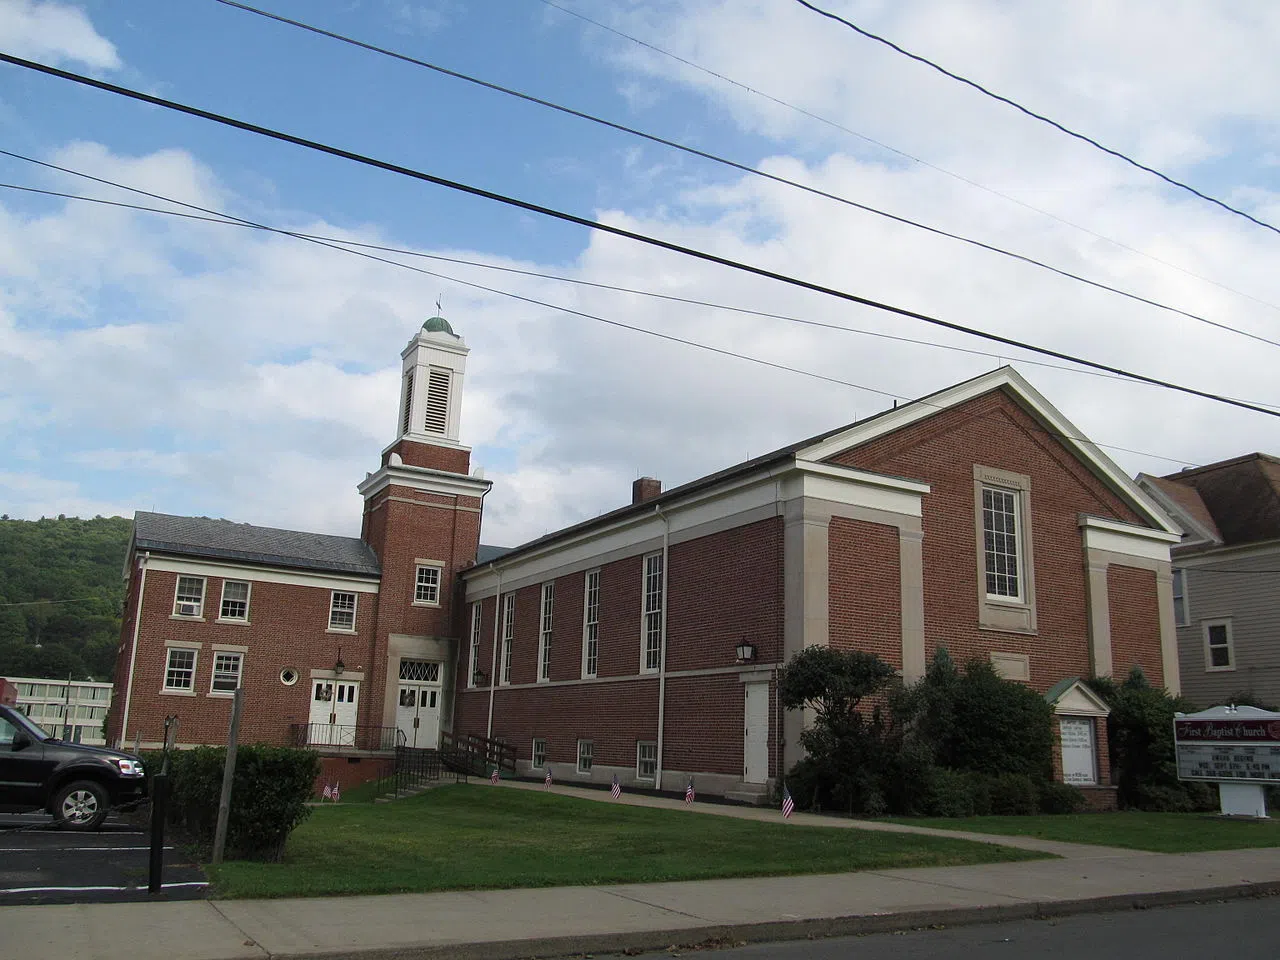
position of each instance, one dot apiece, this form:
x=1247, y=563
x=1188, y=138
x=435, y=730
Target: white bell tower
x=435, y=362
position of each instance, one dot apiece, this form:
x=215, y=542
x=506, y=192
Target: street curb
x=720, y=935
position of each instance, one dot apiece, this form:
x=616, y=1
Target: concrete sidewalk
x=562, y=921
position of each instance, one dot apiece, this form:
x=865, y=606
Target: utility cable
x=227, y=219
x=743, y=168
x=836, y=125
x=607, y=228
x=1037, y=116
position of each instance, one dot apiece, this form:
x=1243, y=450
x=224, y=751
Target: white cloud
x=54, y=31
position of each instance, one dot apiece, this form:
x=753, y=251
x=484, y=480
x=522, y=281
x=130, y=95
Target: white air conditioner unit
x=188, y=609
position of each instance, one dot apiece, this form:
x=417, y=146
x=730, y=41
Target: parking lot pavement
x=39, y=864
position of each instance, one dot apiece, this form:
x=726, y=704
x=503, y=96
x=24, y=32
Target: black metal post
x=159, y=806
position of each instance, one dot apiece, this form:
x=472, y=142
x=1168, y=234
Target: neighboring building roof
x=225, y=540
x=860, y=431
x=1242, y=495
x=1188, y=500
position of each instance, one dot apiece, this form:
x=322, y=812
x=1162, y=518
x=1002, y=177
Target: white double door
x=418, y=714
x=334, y=704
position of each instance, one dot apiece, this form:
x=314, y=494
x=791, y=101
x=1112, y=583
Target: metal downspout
x=133, y=652
x=662, y=660
x=493, y=665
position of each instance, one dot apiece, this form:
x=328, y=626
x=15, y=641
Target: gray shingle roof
x=489, y=552
x=225, y=540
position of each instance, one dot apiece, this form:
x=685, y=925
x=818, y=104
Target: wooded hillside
x=61, y=594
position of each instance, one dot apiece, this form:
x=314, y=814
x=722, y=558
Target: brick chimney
x=646, y=488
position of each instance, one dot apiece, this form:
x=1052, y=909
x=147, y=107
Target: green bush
x=269, y=794
x=950, y=794
x=1013, y=794
x=1059, y=797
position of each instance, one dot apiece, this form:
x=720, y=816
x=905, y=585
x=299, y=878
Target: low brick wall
x=1099, y=798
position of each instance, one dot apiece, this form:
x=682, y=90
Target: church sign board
x=1232, y=745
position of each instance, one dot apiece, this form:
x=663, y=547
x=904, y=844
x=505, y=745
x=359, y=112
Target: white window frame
x=508, y=636
x=651, y=601
x=177, y=592
x=546, y=620
x=1019, y=554
x=222, y=602
x=590, y=624
x=588, y=754
x=213, y=674
x=640, y=759
x=475, y=643
x=169, y=650
x=539, y=747
x=333, y=608
x=434, y=589
x=1225, y=623
x=1181, y=617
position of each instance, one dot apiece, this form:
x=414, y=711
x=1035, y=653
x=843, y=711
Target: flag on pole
x=335, y=792
x=788, y=805
x=616, y=789
x=688, y=792
x=328, y=792
x=547, y=782
x=493, y=777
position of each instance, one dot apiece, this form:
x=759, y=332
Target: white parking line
x=68, y=849
x=167, y=886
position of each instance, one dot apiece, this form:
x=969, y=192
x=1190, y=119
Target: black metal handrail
x=347, y=737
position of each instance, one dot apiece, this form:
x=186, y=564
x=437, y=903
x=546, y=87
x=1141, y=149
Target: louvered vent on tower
x=437, y=418
x=408, y=400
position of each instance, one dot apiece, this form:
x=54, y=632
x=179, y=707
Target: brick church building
x=644, y=643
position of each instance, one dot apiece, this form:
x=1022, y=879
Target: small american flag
x=335, y=792
x=547, y=781
x=688, y=793
x=493, y=777
x=328, y=792
x=616, y=789
x=788, y=805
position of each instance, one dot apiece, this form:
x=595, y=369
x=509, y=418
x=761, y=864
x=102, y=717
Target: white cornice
x=322, y=579
x=1030, y=400
x=1128, y=529
x=1261, y=548
x=1127, y=539
x=1199, y=533
x=427, y=481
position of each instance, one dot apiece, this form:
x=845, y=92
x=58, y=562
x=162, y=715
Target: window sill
x=1230, y=669
x=174, y=616
x=235, y=620
x=177, y=693
x=426, y=603
x=583, y=773
x=344, y=630
x=221, y=694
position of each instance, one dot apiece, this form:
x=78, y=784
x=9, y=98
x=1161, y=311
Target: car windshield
x=21, y=720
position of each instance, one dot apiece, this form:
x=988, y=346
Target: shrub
x=1013, y=793
x=1059, y=798
x=269, y=794
x=950, y=794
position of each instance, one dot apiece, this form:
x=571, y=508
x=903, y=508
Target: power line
x=337, y=244
x=36, y=603
x=742, y=167
x=342, y=243
x=608, y=228
x=834, y=124
x=1037, y=116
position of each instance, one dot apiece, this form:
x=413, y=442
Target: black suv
x=77, y=784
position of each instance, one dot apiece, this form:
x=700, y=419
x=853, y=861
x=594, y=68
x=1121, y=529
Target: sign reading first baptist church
x=1240, y=745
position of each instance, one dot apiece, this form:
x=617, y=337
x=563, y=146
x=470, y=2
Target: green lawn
x=473, y=837
x=1160, y=832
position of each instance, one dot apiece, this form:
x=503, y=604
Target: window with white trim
x=342, y=611
x=235, y=600
x=539, y=753
x=1000, y=538
x=545, y=619
x=473, y=676
x=646, y=760
x=1180, y=617
x=426, y=587
x=180, y=669
x=508, y=634
x=188, y=598
x=1219, y=649
x=227, y=667
x=651, y=620
x=586, y=751
x=591, y=624
x=437, y=415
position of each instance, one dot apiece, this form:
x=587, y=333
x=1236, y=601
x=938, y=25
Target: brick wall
x=1135, y=623
x=995, y=432
x=416, y=454
x=865, y=589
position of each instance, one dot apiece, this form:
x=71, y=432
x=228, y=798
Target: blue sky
x=151, y=363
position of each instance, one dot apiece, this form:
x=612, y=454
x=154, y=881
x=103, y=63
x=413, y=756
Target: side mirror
x=21, y=740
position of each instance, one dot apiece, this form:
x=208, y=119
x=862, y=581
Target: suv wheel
x=81, y=805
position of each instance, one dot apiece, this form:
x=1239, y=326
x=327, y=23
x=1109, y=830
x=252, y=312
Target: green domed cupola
x=438, y=324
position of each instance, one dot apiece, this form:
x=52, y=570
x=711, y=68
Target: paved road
x=41, y=865
x=1238, y=929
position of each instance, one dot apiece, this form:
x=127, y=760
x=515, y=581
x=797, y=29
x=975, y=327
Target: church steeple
x=434, y=364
